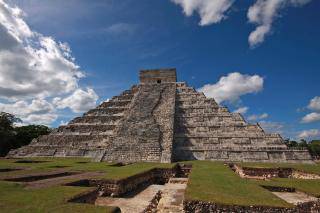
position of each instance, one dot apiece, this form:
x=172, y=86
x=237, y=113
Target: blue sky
x=112, y=40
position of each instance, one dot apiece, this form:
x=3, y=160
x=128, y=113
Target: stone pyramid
x=162, y=120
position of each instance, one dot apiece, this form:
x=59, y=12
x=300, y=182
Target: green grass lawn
x=78, y=164
x=14, y=198
x=215, y=182
x=208, y=181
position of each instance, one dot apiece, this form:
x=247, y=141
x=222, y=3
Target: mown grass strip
x=14, y=198
x=215, y=182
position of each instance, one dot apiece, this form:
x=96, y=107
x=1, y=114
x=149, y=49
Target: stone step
x=220, y=135
x=90, y=128
x=105, y=119
x=126, y=97
x=223, y=117
x=115, y=104
x=200, y=127
x=106, y=111
x=72, y=140
x=186, y=90
x=181, y=84
x=234, y=148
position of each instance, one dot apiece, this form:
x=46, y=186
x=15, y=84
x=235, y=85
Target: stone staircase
x=146, y=134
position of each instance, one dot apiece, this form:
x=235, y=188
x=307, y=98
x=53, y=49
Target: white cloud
x=308, y=134
x=34, y=69
x=210, y=11
x=314, y=104
x=79, y=101
x=242, y=110
x=120, y=29
x=258, y=117
x=232, y=86
x=311, y=117
x=263, y=13
x=39, y=111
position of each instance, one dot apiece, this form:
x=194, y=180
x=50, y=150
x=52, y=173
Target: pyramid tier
x=206, y=131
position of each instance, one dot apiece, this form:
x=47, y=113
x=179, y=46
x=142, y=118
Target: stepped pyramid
x=162, y=120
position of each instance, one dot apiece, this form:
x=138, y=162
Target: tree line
x=13, y=137
x=313, y=146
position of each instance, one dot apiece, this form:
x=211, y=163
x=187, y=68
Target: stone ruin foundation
x=149, y=191
x=267, y=173
x=162, y=120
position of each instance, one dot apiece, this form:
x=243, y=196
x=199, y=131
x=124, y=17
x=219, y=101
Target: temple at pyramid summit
x=162, y=120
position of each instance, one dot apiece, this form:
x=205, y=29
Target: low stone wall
x=264, y=173
x=196, y=206
x=268, y=172
x=152, y=207
x=279, y=189
x=116, y=188
x=85, y=197
x=304, y=175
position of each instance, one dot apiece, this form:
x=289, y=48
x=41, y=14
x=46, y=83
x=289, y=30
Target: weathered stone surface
x=162, y=120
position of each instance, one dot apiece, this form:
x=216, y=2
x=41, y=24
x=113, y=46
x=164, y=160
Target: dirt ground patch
x=62, y=180
x=295, y=197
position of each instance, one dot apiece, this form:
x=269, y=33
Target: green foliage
x=7, y=133
x=290, y=143
x=12, y=137
x=6, y=121
x=25, y=134
x=314, y=148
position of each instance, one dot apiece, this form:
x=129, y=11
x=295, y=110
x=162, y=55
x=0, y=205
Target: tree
x=303, y=144
x=314, y=148
x=7, y=132
x=7, y=120
x=25, y=134
x=290, y=143
x=12, y=137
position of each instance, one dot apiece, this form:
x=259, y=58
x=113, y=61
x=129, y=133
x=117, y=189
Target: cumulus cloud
x=308, y=134
x=210, y=11
x=39, y=111
x=232, y=86
x=242, y=110
x=34, y=67
x=258, y=117
x=311, y=117
x=263, y=13
x=79, y=101
x=314, y=104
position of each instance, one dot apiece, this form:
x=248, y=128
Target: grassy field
x=14, y=198
x=78, y=164
x=208, y=181
x=215, y=182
